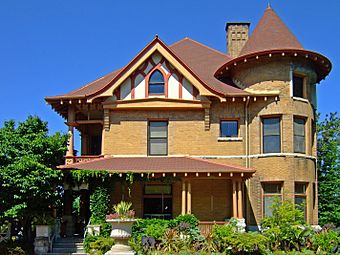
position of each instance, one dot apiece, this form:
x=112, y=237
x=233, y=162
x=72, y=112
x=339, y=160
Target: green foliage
x=187, y=218
x=85, y=175
x=99, y=205
x=14, y=248
x=122, y=209
x=105, y=229
x=285, y=229
x=97, y=245
x=326, y=242
x=28, y=156
x=328, y=136
x=248, y=243
x=43, y=219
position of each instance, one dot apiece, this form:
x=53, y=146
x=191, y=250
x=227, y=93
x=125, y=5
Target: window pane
x=299, y=144
x=300, y=203
x=299, y=126
x=156, y=83
x=158, y=189
x=300, y=188
x=229, y=128
x=297, y=86
x=267, y=204
x=157, y=88
x=158, y=129
x=156, y=77
x=272, y=188
x=158, y=146
x=271, y=144
x=271, y=126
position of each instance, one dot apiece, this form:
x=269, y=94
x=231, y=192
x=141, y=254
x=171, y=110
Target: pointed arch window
x=156, y=83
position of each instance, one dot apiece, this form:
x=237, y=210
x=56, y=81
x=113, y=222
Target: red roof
x=269, y=34
x=204, y=61
x=182, y=164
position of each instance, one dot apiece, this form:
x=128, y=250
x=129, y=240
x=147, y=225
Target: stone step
x=69, y=240
x=67, y=245
x=67, y=250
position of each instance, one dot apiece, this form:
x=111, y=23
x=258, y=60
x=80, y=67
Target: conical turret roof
x=269, y=34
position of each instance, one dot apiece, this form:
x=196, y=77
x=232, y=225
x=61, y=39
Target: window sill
x=300, y=99
x=229, y=139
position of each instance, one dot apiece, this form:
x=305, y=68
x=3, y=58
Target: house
x=230, y=132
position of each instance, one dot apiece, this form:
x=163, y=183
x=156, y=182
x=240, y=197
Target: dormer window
x=156, y=83
x=298, y=86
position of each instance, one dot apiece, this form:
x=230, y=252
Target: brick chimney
x=237, y=36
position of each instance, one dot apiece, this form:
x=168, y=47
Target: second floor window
x=298, y=86
x=229, y=128
x=299, y=135
x=156, y=83
x=300, y=198
x=158, y=138
x=271, y=135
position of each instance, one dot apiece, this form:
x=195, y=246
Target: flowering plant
x=122, y=211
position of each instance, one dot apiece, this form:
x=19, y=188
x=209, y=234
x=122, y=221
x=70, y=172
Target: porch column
x=183, y=198
x=70, y=143
x=234, y=200
x=71, y=117
x=189, y=198
x=239, y=197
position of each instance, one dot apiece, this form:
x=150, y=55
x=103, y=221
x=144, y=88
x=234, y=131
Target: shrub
x=187, y=218
x=326, y=242
x=97, y=245
x=99, y=205
x=285, y=229
x=248, y=243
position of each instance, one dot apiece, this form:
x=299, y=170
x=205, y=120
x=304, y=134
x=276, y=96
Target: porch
x=165, y=187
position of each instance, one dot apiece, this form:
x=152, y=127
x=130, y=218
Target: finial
x=156, y=35
x=269, y=6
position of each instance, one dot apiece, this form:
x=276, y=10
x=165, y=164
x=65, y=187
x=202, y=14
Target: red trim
x=132, y=86
x=180, y=86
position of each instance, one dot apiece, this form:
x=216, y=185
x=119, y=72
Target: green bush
x=248, y=243
x=14, y=248
x=285, y=229
x=99, y=205
x=326, y=242
x=187, y=218
x=97, y=245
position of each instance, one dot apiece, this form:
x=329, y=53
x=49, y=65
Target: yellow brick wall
x=187, y=136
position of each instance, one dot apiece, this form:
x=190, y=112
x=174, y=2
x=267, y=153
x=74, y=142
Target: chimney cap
x=244, y=23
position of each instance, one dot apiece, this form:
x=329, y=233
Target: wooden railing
x=80, y=159
x=206, y=227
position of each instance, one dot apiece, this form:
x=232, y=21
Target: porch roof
x=159, y=164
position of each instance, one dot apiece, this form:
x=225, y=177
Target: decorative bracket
x=107, y=119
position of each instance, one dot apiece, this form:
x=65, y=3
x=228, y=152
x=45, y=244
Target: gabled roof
x=269, y=34
x=178, y=164
x=198, y=59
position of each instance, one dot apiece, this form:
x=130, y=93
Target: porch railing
x=206, y=227
x=81, y=159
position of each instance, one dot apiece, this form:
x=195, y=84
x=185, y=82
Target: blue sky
x=50, y=47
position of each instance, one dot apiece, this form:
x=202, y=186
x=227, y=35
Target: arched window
x=156, y=83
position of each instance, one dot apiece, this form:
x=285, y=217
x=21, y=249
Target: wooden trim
x=189, y=198
x=234, y=199
x=240, y=200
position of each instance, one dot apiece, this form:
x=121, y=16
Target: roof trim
x=324, y=66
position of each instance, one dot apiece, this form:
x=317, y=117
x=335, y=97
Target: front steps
x=67, y=246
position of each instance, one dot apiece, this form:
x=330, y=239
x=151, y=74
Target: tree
x=329, y=169
x=28, y=175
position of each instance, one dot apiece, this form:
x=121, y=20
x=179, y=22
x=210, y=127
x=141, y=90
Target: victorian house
x=231, y=131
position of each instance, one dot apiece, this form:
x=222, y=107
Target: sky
x=50, y=47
